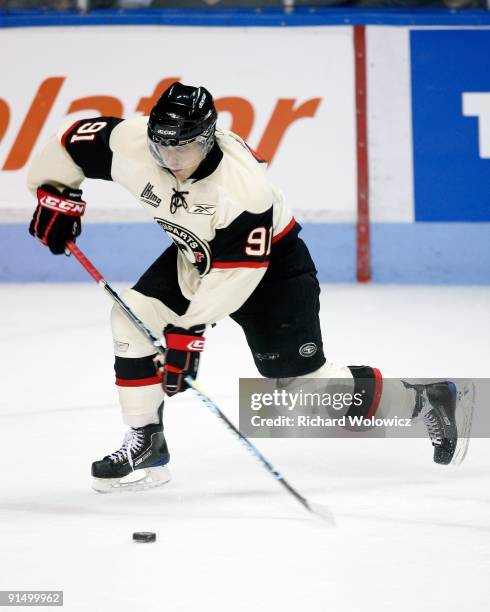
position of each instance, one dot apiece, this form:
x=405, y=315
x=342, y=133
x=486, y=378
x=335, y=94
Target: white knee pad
x=128, y=340
x=323, y=374
x=330, y=370
x=302, y=390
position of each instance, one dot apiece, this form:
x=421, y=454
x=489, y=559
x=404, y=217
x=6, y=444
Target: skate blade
x=139, y=480
x=464, y=415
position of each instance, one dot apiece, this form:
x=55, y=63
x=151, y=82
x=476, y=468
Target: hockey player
x=236, y=251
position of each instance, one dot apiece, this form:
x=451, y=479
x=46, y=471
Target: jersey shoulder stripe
x=255, y=155
x=87, y=143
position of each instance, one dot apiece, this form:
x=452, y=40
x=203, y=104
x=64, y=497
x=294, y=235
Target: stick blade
x=323, y=512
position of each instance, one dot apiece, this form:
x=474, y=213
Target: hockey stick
x=100, y=280
x=318, y=509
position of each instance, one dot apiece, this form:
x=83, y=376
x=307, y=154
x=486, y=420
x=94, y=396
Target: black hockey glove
x=57, y=217
x=181, y=358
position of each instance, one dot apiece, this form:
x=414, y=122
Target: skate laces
x=425, y=411
x=133, y=440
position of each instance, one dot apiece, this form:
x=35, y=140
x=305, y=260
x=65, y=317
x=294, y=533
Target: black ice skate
x=446, y=408
x=140, y=463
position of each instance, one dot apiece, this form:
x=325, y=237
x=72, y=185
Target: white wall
x=315, y=161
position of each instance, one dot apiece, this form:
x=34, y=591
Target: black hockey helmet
x=184, y=115
x=181, y=114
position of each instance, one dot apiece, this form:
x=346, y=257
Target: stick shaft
x=97, y=276
x=246, y=442
x=86, y=263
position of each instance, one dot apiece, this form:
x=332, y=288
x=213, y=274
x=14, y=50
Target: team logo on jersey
x=202, y=209
x=193, y=248
x=308, y=349
x=149, y=197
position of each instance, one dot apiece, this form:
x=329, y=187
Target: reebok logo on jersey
x=149, y=197
x=202, y=209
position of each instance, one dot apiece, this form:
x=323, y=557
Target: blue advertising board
x=450, y=148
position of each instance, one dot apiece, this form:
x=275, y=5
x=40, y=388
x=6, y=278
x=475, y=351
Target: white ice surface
x=410, y=536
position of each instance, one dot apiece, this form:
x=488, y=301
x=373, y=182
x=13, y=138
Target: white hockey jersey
x=223, y=219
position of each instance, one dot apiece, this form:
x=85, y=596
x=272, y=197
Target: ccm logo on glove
x=67, y=207
x=184, y=342
x=196, y=345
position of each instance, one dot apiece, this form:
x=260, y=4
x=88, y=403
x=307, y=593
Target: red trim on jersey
x=255, y=154
x=139, y=382
x=287, y=229
x=378, y=389
x=240, y=264
x=63, y=138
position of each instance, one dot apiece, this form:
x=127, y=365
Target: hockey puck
x=144, y=536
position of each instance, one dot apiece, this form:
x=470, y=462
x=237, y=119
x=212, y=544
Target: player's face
x=180, y=157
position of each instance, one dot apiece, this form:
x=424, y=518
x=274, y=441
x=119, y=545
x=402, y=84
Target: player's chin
x=181, y=172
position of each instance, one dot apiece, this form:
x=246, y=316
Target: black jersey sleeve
x=87, y=143
x=245, y=243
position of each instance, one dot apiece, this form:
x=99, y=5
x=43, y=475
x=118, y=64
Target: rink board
x=290, y=92
x=441, y=256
